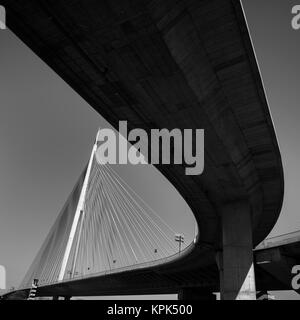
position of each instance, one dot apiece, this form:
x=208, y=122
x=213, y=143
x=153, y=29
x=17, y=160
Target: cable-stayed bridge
x=104, y=227
x=160, y=64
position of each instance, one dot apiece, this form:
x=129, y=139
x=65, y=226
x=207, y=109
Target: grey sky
x=47, y=131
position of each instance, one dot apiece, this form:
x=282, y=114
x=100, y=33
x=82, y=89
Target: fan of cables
x=117, y=228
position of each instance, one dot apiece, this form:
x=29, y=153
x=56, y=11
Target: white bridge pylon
x=79, y=212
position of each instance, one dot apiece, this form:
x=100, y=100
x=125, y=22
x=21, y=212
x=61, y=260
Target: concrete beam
x=196, y=294
x=235, y=261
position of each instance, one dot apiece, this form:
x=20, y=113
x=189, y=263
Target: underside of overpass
x=174, y=64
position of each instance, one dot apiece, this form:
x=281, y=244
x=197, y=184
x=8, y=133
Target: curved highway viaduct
x=174, y=64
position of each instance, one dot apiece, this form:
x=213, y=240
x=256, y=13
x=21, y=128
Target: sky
x=47, y=131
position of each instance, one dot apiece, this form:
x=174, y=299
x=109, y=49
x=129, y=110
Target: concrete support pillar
x=196, y=294
x=235, y=261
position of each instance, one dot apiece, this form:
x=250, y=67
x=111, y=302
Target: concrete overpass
x=166, y=64
x=275, y=258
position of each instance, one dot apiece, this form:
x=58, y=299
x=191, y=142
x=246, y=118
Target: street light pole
x=180, y=239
